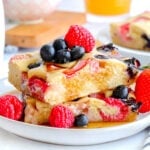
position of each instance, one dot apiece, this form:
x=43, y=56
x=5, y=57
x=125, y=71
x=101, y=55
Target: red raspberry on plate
x=142, y=90
x=11, y=107
x=119, y=113
x=37, y=87
x=61, y=117
x=79, y=36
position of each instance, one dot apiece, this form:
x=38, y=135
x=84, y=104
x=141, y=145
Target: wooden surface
x=35, y=35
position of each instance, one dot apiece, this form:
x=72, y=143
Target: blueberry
x=133, y=61
x=47, y=53
x=81, y=120
x=132, y=71
x=59, y=44
x=135, y=106
x=77, y=52
x=34, y=65
x=62, y=56
x=147, y=38
x=120, y=91
x=130, y=101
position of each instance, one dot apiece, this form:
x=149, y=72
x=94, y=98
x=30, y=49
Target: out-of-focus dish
x=104, y=37
x=132, y=33
x=29, y=11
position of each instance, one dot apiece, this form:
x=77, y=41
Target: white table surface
x=10, y=141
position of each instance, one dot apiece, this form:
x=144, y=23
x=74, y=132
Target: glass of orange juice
x=107, y=10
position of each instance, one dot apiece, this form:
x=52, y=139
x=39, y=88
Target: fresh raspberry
x=142, y=90
x=11, y=107
x=61, y=117
x=120, y=110
x=37, y=87
x=79, y=36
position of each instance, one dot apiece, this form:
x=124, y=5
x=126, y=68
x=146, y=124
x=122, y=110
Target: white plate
x=104, y=36
x=70, y=136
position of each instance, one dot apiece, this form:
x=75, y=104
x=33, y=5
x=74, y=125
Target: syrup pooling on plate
x=71, y=83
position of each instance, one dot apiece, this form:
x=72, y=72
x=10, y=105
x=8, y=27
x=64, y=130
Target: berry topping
x=132, y=71
x=142, y=90
x=81, y=120
x=34, y=65
x=47, y=52
x=121, y=92
x=77, y=41
x=77, y=52
x=147, y=39
x=59, y=44
x=81, y=64
x=11, y=107
x=62, y=56
x=135, y=106
x=132, y=103
x=37, y=87
x=107, y=47
x=61, y=117
x=80, y=36
x=97, y=95
x=133, y=61
x=119, y=113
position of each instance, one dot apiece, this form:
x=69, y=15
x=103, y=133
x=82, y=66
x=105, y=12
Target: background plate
x=104, y=36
